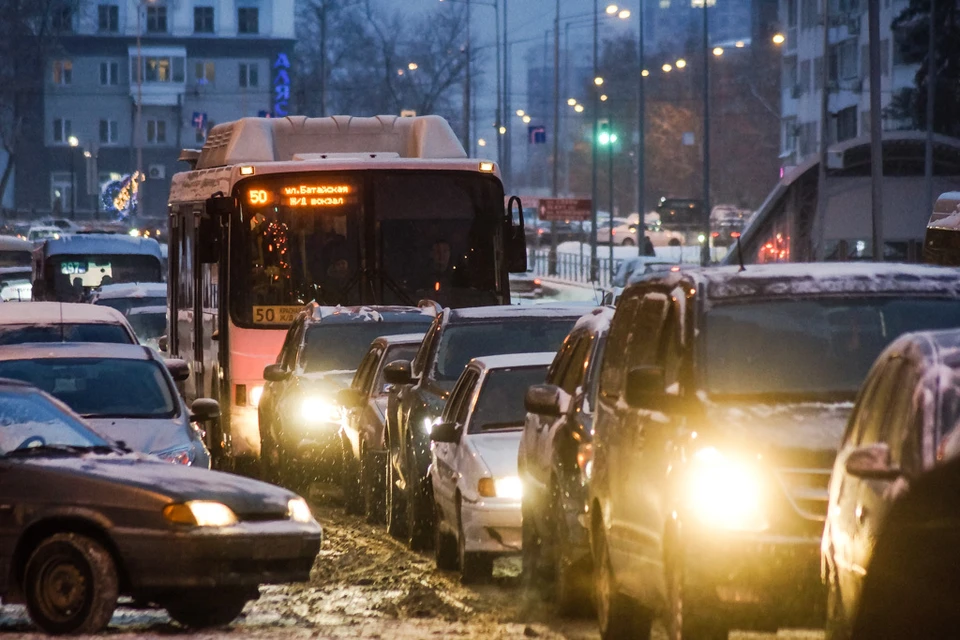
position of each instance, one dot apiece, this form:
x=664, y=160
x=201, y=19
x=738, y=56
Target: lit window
x=62, y=72
x=205, y=72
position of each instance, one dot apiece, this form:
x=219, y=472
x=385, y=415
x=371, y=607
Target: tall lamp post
x=74, y=142
x=138, y=111
x=705, y=244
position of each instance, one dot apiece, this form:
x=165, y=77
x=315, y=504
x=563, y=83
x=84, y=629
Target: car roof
x=597, y=321
x=57, y=312
x=514, y=360
x=132, y=290
x=814, y=279
x=48, y=350
x=401, y=338
x=13, y=243
x=367, y=313
x=140, y=311
x=509, y=312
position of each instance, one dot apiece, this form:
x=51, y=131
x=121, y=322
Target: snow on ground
x=690, y=254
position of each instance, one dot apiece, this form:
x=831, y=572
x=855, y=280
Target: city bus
x=941, y=244
x=16, y=268
x=69, y=268
x=279, y=212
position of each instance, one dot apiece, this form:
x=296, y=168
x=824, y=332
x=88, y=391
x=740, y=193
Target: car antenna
x=740, y=255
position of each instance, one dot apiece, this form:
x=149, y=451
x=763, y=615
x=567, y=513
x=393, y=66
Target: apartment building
x=134, y=82
x=847, y=72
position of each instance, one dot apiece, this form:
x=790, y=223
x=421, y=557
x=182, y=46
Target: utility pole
x=499, y=118
x=876, y=130
x=705, y=245
x=931, y=98
x=596, y=127
x=822, y=199
x=641, y=143
x=554, y=189
x=508, y=146
x=466, y=89
x=138, y=118
x=323, y=57
x=610, y=141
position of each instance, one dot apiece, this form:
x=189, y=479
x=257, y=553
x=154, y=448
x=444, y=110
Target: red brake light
x=734, y=234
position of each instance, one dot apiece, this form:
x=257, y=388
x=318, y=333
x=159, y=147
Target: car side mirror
x=275, y=373
x=447, y=432
x=872, y=462
x=398, y=372
x=178, y=369
x=350, y=398
x=205, y=409
x=543, y=399
x=163, y=344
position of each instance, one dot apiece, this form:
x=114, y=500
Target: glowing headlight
x=298, y=511
x=200, y=513
x=255, y=395
x=507, y=487
x=725, y=493
x=315, y=410
x=176, y=456
x=429, y=423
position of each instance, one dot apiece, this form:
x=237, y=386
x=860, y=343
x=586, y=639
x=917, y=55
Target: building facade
x=845, y=76
x=114, y=103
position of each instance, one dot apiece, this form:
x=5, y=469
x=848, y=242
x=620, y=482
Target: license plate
x=276, y=549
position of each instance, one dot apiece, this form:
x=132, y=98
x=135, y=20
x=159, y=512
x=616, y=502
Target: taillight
x=585, y=459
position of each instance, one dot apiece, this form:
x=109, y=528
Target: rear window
x=25, y=333
x=500, y=404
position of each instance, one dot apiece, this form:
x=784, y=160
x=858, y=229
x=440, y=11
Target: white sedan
x=626, y=232
x=476, y=485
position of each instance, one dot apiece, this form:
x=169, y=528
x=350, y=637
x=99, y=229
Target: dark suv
x=455, y=337
x=722, y=399
x=554, y=464
x=299, y=412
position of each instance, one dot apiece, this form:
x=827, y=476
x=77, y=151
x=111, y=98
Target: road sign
x=554, y=209
x=537, y=134
x=199, y=120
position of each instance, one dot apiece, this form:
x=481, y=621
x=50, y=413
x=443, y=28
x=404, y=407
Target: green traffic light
x=606, y=138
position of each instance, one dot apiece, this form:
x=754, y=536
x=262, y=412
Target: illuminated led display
x=303, y=195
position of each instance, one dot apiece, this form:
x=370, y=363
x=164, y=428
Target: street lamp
x=778, y=39
x=718, y=51
x=667, y=67
x=571, y=101
x=578, y=108
x=681, y=63
x=73, y=141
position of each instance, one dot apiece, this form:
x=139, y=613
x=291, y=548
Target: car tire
x=208, y=609
x=71, y=585
x=445, y=552
x=396, y=509
x=571, y=581
x=837, y=627
x=628, y=242
x=371, y=485
x=618, y=615
x=680, y=623
x=474, y=567
x=419, y=505
x=350, y=480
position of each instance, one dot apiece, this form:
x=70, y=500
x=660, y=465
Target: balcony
x=163, y=75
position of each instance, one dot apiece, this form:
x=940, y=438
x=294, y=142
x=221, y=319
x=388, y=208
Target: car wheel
x=618, y=615
x=350, y=480
x=371, y=484
x=396, y=509
x=445, y=551
x=474, y=567
x=837, y=627
x=628, y=242
x=71, y=585
x=681, y=623
x=571, y=582
x=419, y=504
x=208, y=608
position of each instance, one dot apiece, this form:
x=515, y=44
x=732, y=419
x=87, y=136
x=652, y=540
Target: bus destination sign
x=303, y=195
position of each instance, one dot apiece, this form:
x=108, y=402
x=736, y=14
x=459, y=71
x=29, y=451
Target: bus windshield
x=383, y=237
x=73, y=276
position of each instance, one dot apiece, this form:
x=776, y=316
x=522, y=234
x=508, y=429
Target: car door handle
x=861, y=513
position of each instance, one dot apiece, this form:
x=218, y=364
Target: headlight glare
x=506, y=487
x=299, y=511
x=200, y=513
x=255, y=394
x=315, y=410
x=725, y=493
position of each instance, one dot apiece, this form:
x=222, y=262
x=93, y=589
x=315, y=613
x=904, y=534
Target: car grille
x=807, y=490
x=263, y=516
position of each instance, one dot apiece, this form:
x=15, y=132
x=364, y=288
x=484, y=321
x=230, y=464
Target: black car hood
x=179, y=483
x=802, y=434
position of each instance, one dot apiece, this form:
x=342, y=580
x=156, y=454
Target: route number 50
x=258, y=196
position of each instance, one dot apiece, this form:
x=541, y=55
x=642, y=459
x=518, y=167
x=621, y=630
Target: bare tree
x=30, y=32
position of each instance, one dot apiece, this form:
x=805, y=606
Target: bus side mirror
x=516, y=239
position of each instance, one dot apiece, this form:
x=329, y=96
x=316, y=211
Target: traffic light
x=605, y=135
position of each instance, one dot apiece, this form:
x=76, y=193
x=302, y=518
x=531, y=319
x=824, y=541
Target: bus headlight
x=315, y=410
x=725, y=493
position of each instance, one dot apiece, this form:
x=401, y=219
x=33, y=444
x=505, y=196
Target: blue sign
x=281, y=86
x=537, y=134
x=199, y=120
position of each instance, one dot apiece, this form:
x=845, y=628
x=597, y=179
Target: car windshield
x=69, y=332
x=99, y=387
x=363, y=237
x=31, y=419
x=341, y=346
x=396, y=352
x=460, y=343
x=796, y=348
x=11, y=258
x=124, y=305
x=148, y=325
x=500, y=403
x=74, y=276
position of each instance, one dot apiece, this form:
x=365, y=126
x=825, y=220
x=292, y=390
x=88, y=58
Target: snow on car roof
x=13, y=243
x=597, y=321
x=401, y=338
x=56, y=312
x=371, y=313
x=512, y=360
x=132, y=290
x=514, y=311
x=143, y=311
x=102, y=244
x=47, y=350
x=829, y=278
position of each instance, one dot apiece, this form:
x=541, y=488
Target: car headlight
x=200, y=513
x=180, y=455
x=255, y=394
x=725, y=493
x=315, y=410
x=506, y=487
x=299, y=511
x=429, y=423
